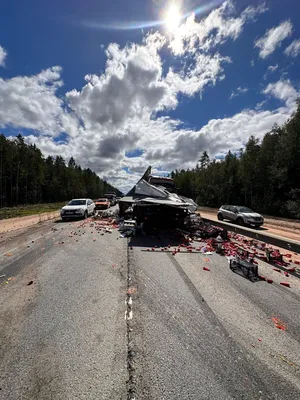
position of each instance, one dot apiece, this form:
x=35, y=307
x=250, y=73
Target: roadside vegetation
x=264, y=176
x=31, y=209
x=27, y=177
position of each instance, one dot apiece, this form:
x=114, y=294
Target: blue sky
x=123, y=85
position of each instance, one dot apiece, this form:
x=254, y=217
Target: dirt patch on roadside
x=13, y=224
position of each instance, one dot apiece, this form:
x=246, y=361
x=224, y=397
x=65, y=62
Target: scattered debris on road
x=279, y=324
x=131, y=290
x=286, y=284
x=7, y=281
x=244, y=267
x=128, y=228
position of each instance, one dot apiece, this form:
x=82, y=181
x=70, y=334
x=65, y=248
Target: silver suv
x=241, y=215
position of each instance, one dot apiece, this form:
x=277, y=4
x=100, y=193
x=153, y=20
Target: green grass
x=32, y=209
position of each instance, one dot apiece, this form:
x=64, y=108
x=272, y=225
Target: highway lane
x=191, y=334
x=63, y=336
x=210, y=334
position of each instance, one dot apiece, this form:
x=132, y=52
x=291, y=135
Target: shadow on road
x=60, y=221
x=259, y=228
x=158, y=240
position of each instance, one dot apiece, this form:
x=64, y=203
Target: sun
x=173, y=17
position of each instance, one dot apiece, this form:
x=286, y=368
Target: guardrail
x=288, y=244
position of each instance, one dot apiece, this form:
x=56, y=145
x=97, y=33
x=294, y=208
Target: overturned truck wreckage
x=154, y=203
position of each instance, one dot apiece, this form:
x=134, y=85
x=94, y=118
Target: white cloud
x=131, y=85
x=283, y=90
x=272, y=68
x=293, y=49
x=167, y=144
x=207, y=70
x=215, y=29
x=31, y=102
x=3, y=55
x=273, y=38
x=237, y=92
x=260, y=105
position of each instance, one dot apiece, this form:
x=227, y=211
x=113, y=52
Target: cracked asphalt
x=192, y=334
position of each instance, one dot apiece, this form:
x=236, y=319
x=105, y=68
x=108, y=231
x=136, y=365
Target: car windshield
x=77, y=203
x=244, y=209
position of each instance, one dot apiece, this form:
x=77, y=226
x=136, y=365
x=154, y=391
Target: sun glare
x=172, y=20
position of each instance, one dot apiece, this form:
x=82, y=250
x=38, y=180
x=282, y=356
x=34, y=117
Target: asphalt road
x=103, y=319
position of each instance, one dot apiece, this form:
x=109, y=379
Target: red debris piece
x=270, y=280
x=131, y=290
x=286, y=273
x=148, y=249
x=206, y=269
x=261, y=277
x=288, y=255
x=173, y=253
x=292, y=269
x=279, y=324
x=153, y=249
x=277, y=270
x=285, y=284
x=297, y=262
x=259, y=339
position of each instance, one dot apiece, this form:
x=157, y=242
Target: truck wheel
x=240, y=221
x=220, y=217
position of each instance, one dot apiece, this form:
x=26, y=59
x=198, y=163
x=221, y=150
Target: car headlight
x=62, y=211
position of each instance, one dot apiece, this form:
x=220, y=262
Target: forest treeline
x=265, y=175
x=27, y=177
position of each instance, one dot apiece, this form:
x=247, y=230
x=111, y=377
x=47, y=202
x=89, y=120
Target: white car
x=78, y=208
